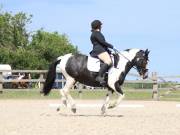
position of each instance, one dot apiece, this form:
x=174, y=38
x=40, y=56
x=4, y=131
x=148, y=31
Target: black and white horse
x=75, y=69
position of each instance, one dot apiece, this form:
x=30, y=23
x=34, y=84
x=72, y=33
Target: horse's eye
x=141, y=62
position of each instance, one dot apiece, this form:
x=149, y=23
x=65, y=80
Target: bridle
x=131, y=62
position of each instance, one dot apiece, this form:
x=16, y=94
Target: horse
x=74, y=69
x=20, y=83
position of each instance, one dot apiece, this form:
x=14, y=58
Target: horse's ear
x=147, y=52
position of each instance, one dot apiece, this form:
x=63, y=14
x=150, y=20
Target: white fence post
x=1, y=83
x=41, y=80
x=155, y=93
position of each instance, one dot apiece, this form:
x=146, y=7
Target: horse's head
x=141, y=61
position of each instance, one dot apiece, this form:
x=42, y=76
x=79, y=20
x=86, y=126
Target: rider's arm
x=100, y=38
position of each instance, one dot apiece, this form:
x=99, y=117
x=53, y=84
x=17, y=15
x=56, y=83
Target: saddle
x=94, y=64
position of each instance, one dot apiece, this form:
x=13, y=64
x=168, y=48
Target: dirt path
x=36, y=117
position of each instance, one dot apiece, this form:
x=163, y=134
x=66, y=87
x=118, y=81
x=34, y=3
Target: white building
x=7, y=70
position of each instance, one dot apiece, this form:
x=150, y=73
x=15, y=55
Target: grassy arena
x=90, y=94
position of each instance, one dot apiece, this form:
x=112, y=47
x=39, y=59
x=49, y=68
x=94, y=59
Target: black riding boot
x=102, y=71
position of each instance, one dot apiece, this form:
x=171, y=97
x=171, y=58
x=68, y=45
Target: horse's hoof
x=73, y=110
x=58, y=109
x=111, y=106
x=64, y=103
x=103, y=113
x=103, y=110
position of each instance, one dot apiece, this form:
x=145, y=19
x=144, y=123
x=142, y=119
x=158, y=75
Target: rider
x=100, y=49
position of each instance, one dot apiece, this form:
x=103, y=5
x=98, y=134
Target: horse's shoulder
x=79, y=55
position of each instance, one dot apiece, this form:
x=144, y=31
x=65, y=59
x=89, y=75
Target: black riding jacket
x=99, y=43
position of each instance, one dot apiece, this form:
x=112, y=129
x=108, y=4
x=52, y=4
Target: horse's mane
x=127, y=50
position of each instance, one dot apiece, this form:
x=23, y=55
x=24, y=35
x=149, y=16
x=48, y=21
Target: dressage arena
x=39, y=117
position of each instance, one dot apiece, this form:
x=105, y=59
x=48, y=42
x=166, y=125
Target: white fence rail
x=153, y=79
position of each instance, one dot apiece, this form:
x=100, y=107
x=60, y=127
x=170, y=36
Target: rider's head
x=96, y=24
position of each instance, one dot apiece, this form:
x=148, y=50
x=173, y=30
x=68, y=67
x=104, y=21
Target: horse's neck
x=126, y=58
x=129, y=55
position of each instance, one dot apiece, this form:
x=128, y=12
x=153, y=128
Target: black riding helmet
x=96, y=24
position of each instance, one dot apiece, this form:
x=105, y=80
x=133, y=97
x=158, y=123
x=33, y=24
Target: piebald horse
x=74, y=69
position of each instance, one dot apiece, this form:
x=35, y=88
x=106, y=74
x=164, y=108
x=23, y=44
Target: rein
x=116, y=51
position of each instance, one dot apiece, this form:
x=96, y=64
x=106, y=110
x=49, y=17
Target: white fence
x=41, y=73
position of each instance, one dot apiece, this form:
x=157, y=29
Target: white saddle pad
x=93, y=64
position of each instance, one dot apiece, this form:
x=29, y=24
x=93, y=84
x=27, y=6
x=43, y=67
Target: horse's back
x=76, y=64
x=76, y=67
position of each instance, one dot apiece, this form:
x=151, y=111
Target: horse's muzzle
x=145, y=75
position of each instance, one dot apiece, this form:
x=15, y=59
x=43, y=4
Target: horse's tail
x=51, y=76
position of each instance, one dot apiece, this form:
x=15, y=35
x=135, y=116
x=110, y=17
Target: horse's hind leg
x=66, y=95
x=63, y=99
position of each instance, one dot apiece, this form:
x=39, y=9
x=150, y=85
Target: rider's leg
x=107, y=63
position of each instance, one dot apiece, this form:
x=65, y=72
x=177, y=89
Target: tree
x=6, y=36
x=51, y=45
x=20, y=52
x=20, y=34
x=13, y=33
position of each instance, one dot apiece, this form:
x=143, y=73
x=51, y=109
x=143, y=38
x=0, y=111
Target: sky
x=144, y=24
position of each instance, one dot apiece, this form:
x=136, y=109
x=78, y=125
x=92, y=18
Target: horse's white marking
x=61, y=67
x=53, y=105
x=114, y=73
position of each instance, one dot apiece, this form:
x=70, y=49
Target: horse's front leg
x=106, y=103
x=120, y=94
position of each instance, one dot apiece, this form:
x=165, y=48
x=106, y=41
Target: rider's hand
x=115, y=50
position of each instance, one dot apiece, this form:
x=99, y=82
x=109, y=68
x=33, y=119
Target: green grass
x=165, y=95
x=88, y=94
x=26, y=94
x=54, y=94
x=138, y=95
